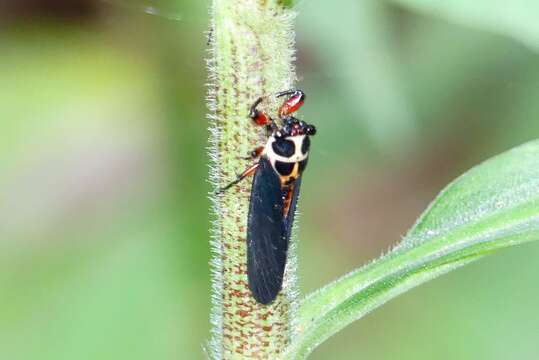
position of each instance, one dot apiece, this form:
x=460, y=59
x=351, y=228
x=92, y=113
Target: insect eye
x=284, y=147
x=305, y=145
x=311, y=130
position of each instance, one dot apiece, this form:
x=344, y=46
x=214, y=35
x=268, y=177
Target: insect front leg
x=248, y=172
x=261, y=118
x=292, y=104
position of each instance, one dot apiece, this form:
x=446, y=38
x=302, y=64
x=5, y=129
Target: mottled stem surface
x=251, y=56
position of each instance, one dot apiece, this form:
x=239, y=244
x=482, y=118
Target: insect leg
x=248, y=172
x=261, y=118
x=255, y=153
x=292, y=104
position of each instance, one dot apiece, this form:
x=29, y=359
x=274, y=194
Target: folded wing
x=268, y=231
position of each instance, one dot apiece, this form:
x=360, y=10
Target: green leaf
x=517, y=19
x=492, y=206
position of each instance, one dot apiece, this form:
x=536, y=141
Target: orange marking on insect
x=288, y=200
x=285, y=180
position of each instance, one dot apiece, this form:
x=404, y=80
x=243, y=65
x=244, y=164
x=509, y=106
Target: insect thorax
x=288, y=155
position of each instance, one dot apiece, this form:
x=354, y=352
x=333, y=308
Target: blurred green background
x=103, y=166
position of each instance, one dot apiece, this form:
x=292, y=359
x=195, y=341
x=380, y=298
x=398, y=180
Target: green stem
x=252, y=55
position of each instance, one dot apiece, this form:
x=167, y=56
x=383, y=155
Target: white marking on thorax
x=298, y=155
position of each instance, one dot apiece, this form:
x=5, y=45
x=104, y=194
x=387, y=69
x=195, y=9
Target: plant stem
x=252, y=55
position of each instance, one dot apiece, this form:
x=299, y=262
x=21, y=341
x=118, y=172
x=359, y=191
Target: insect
x=277, y=179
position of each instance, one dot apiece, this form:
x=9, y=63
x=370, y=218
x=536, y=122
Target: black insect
x=274, y=194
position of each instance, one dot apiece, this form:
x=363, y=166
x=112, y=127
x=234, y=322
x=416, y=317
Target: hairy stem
x=251, y=56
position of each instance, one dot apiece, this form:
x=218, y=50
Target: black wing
x=268, y=232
